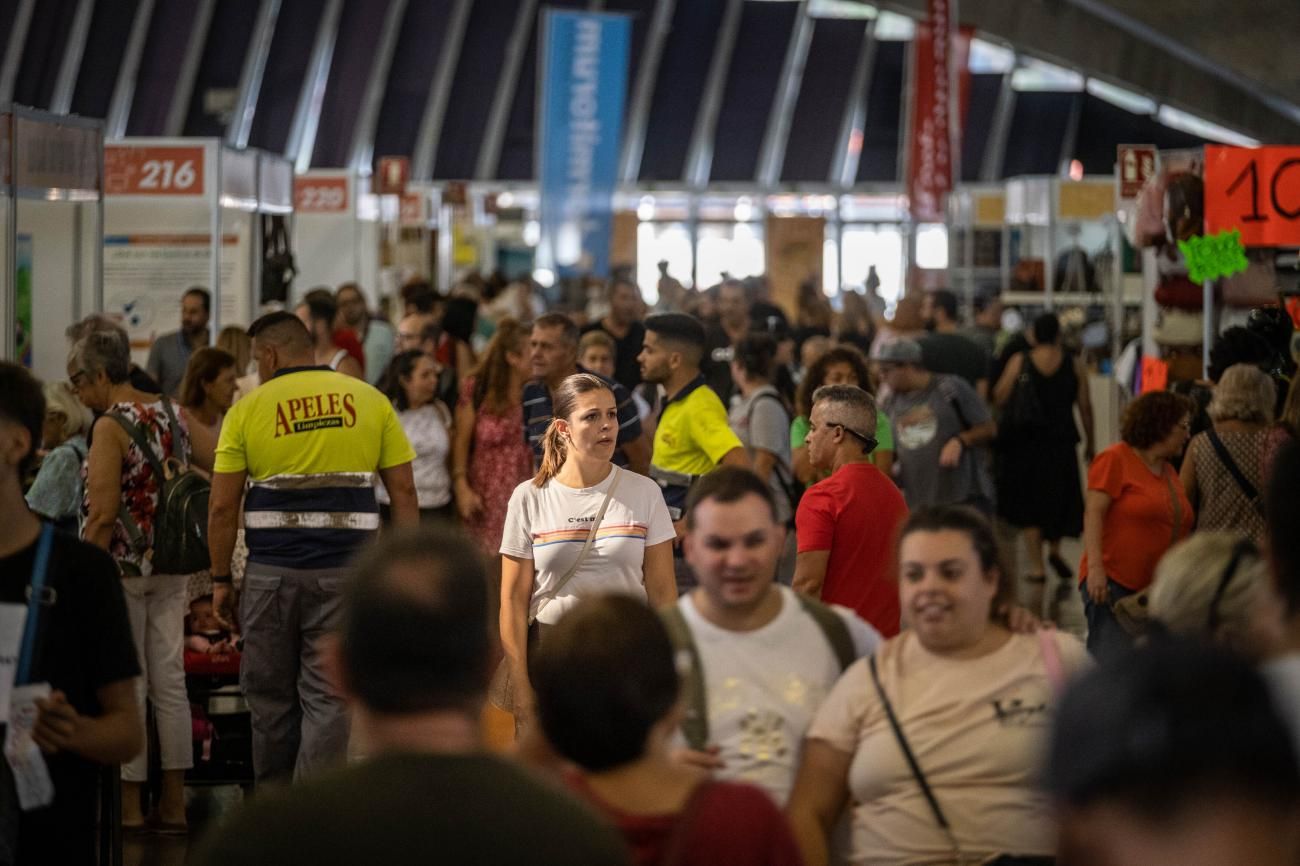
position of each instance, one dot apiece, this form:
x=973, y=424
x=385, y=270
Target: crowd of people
x=709, y=584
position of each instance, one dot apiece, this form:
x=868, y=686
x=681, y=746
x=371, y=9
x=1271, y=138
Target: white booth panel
x=47, y=272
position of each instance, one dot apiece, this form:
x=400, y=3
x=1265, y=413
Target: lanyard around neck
x=37, y=590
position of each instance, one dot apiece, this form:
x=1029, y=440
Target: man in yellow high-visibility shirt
x=693, y=436
x=309, y=441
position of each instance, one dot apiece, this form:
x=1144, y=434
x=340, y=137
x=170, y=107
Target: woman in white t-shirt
x=973, y=701
x=411, y=382
x=549, y=524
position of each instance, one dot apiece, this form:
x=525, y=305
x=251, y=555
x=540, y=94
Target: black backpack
x=180, y=524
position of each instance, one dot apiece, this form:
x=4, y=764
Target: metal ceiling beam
x=699, y=156
x=638, y=117
x=1133, y=55
x=73, y=51
x=363, y=135
x=1196, y=59
x=844, y=165
x=494, y=134
x=1071, y=137
x=250, y=79
x=306, y=114
x=995, y=149
x=189, y=69
x=14, y=49
x=119, y=107
x=771, y=156
x=435, y=108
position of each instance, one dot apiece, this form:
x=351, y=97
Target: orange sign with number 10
x=1256, y=190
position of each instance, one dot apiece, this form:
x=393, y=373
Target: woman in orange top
x=1134, y=511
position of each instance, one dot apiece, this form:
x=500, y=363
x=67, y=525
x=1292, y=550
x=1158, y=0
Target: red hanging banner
x=940, y=50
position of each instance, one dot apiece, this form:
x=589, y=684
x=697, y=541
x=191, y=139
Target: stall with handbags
x=51, y=222
x=1219, y=228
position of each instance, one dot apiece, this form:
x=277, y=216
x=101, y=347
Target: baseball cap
x=900, y=351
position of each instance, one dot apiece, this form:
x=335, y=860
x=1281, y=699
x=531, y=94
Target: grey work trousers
x=300, y=726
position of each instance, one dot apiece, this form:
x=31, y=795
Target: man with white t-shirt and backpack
x=762, y=657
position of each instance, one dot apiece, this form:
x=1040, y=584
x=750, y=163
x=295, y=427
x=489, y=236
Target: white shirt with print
x=549, y=525
x=764, y=687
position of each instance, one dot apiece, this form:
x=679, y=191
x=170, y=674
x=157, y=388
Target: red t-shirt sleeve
x=815, y=520
x=1107, y=473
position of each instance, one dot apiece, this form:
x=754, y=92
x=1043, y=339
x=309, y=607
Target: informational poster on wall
x=145, y=276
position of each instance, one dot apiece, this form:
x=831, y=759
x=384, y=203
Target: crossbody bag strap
x=1174, y=502
x=586, y=547
x=1225, y=457
x=917, y=773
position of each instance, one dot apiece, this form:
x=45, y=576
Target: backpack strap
x=784, y=474
x=133, y=532
x=833, y=627
x=950, y=394
x=695, y=726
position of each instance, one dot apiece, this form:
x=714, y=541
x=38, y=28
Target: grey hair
x=1244, y=393
x=1188, y=576
x=101, y=352
x=853, y=406
x=96, y=323
x=60, y=399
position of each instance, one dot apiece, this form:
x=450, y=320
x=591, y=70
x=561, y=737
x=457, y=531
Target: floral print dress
x=139, y=486
x=499, y=459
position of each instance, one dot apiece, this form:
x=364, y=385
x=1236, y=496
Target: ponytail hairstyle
x=554, y=447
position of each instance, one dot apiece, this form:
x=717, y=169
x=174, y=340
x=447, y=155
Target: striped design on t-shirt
x=579, y=534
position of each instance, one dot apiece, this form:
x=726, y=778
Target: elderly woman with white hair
x=1214, y=586
x=56, y=492
x=1222, y=472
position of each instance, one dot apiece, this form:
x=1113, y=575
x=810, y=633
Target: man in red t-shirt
x=848, y=523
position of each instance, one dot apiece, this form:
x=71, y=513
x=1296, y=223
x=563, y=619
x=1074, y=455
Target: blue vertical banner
x=583, y=83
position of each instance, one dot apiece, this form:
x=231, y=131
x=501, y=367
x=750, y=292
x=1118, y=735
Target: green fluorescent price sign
x=1214, y=256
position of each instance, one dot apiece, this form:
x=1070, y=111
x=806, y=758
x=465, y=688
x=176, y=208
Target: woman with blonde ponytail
x=580, y=527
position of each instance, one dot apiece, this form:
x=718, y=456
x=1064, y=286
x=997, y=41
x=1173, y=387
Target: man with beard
x=171, y=352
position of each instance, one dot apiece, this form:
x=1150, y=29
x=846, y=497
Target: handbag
x=1133, y=612
x=502, y=692
x=1024, y=409
x=1250, y=491
x=940, y=818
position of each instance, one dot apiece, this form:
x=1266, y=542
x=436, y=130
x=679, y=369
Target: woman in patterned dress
x=120, y=504
x=489, y=454
x=1240, y=411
